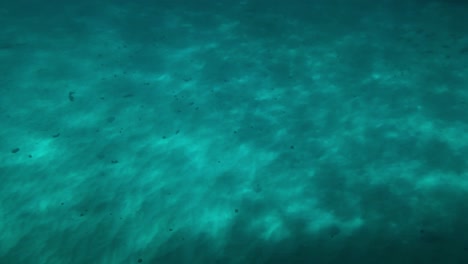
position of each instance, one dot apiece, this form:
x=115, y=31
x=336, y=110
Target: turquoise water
x=234, y=132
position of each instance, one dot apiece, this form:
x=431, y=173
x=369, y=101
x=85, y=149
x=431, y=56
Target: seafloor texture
x=233, y=132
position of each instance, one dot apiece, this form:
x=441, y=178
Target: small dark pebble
x=30, y=156
x=56, y=135
x=71, y=97
x=170, y=229
x=237, y=210
x=140, y=260
x=15, y=150
x=114, y=161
